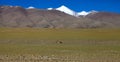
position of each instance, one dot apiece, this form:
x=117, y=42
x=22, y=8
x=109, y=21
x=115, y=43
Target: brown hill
x=41, y=18
x=105, y=19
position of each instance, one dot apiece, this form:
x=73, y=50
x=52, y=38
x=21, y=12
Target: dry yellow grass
x=79, y=45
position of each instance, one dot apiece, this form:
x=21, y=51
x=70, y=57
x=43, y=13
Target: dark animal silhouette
x=59, y=42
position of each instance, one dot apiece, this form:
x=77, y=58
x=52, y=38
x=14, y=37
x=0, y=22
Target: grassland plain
x=78, y=45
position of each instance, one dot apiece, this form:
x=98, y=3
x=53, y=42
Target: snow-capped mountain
x=71, y=12
x=83, y=13
x=66, y=10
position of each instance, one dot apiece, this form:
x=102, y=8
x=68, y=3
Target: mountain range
x=61, y=17
x=71, y=12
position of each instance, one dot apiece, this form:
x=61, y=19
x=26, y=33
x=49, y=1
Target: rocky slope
x=41, y=18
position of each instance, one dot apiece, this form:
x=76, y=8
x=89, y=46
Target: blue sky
x=76, y=5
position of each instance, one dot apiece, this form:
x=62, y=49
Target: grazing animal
x=59, y=42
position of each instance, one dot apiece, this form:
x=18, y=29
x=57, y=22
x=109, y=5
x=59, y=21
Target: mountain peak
x=63, y=6
x=65, y=10
x=83, y=13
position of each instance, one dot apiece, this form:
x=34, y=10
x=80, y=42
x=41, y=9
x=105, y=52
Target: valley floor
x=59, y=45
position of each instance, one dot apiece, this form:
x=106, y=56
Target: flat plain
x=59, y=45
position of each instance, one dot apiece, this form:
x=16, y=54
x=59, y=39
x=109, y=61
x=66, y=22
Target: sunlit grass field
x=59, y=34
x=78, y=45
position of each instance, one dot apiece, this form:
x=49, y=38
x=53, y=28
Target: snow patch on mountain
x=31, y=7
x=49, y=8
x=66, y=10
x=83, y=13
x=93, y=12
